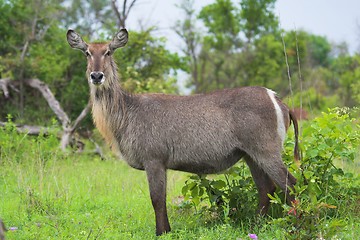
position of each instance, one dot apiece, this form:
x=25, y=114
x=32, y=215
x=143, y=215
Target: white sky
x=338, y=20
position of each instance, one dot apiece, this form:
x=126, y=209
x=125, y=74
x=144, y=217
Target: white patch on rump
x=279, y=116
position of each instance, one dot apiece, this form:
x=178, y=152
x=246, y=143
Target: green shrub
x=323, y=192
x=229, y=196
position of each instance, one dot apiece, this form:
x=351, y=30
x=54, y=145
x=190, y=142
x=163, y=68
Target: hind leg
x=263, y=183
x=276, y=170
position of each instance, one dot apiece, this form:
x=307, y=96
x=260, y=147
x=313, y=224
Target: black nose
x=96, y=77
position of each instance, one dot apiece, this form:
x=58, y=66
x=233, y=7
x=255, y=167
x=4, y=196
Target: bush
x=229, y=196
x=323, y=192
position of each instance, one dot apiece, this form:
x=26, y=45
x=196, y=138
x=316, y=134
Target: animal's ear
x=120, y=39
x=75, y=41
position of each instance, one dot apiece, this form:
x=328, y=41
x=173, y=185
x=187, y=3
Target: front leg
x=156, y=174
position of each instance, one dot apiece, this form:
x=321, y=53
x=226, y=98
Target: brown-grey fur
x=204, y=133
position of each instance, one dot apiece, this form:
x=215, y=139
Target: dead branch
x=98, y=149
x=69, y=131
x=117, y=13
x=124, y=14
x=127, y=11
x=51, y=100
x=4, y=83
x=31, y=130
x=82, y=115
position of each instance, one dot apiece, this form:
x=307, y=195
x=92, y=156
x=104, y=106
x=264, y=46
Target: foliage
x=324, y=193
x=266, y=66
x=93, y=19
x=258, y=18
x=22, y=26
x=312, y=50
x=319, y=49
x=322, y=187
x=312, y=99
x=146, y=65
x=229, y=197
x=226, y=58
x=346, y=78
x=221, y=19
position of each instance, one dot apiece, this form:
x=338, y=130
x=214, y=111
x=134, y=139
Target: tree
x=189, y=33
x=226, y=58
x=346, y=71
x=146, y=65
x=94, y=18
x=313, y=53
x=267, y=65
x=222, y=22
x=97, y=18
x=31, y=26
x=258, y=18
x=122, y=15
x=319, y=49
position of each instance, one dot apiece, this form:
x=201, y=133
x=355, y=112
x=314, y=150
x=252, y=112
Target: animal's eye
x=87, y=53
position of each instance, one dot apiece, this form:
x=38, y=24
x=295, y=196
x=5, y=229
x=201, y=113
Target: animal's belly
x=206, y=164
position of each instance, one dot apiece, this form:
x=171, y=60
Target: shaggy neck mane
x=110, y=98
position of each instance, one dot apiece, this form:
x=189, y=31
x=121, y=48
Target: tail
x=296, y=130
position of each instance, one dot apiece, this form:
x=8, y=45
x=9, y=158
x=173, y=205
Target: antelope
x=201, y=134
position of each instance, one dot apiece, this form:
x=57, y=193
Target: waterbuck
x=202, y=134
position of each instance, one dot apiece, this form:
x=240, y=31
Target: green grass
x=86, y=198
x=47, y=194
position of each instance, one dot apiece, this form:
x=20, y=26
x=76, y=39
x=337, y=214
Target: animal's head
x=99, y=55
